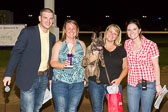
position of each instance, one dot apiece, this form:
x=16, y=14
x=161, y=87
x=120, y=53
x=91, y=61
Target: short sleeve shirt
x=114, y=62
x=140, y=62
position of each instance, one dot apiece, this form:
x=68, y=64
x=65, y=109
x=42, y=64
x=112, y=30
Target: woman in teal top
x=68, y=82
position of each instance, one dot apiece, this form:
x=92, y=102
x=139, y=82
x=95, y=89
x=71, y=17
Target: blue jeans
x=97, y=93
x=67, y=96
x=134, y=94
x=31, y=100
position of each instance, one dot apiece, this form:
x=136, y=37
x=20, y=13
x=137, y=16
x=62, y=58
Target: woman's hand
x=117, y=81
x=158, y=89
x=66, y=63
x=93, y=57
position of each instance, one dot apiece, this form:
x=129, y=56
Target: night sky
x=91, y=13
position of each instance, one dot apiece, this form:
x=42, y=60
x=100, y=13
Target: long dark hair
x=134, y=21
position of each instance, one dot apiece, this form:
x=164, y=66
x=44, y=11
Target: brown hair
x=136, y=22
x=46, y=10
x=64, y=28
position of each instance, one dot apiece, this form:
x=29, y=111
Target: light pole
x=54, y=29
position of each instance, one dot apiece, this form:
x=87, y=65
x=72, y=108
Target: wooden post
x=54, y=29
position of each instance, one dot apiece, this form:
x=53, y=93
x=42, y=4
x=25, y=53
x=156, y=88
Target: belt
x=41, y=72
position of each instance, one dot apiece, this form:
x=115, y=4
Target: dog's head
x=97, y=42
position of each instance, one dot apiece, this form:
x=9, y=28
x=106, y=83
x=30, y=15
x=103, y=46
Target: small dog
x=96, y=46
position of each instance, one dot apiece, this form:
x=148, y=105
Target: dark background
x=90, y=14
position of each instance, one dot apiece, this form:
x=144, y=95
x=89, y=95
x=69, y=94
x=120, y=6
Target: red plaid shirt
x=139, y=62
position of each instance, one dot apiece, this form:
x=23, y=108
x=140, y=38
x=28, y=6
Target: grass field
x=4, y=57
x=160, y=39
x=5, y=54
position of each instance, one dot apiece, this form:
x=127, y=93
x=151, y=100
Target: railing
x=160, y=37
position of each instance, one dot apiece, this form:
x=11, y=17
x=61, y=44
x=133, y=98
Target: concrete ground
x=13, y=101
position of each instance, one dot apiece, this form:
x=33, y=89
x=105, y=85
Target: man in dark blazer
x=31, y=54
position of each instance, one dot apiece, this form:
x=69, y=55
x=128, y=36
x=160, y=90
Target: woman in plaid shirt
x=144, y=70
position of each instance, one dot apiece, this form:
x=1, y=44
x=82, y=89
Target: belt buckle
x=41, y=72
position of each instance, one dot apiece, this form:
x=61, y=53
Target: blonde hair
x=64, y=28
x=117, y=41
